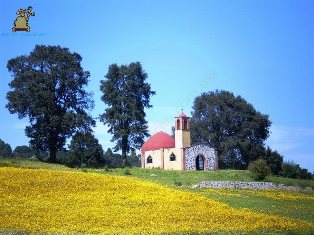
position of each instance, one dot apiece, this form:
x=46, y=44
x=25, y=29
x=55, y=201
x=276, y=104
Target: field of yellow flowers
x=77, y=202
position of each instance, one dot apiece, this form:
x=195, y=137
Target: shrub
x=178, y=182
x=127, y=171
x=259, y=168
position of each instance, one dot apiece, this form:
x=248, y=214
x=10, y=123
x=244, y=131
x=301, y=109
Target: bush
x=127, y=171
x=178, y=182
x=259, y=168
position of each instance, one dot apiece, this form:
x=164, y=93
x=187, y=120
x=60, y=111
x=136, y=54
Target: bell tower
x=182, y=131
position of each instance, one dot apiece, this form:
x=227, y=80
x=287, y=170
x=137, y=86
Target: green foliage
x=127, y=171
x=177, y=183
x=40, y=154
x=231, y=125
x=274, y=160
x=48, y=88
x=114, y=160
x=126, y=94
x=85, y=150
x=5, y=150
x=22, y=152
x=259, y=168
x=292, y=170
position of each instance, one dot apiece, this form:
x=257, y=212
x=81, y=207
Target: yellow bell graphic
x=21, y=22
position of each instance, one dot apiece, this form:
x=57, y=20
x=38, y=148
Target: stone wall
x=245, y=185
x=208, y=153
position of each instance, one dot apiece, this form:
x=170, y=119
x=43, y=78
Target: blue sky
x=262, y=50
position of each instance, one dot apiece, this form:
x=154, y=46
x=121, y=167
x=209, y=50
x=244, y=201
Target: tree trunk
x=52, y=155
x=124, y=159
x=124, y=151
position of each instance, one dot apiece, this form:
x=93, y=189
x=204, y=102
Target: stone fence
x=246, y=185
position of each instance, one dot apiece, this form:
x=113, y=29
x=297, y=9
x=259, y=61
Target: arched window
x=185, y=124
x=172, y=157
x=178, y=124
x=149, y=159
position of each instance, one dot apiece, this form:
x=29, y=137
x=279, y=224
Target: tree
x=274, y=160
x=22, y=152
x=114, y=160
x=48, y=88
x=259, y=168
x=126, y=94
x=5, y=149
x=85, y=150
x=133, y=159
x=111, y=159
x=41, y=155
x=173, y=129
x=290, y=170
x=231, y=125
x=293, y=170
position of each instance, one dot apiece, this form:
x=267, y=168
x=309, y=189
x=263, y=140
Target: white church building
x=165, y=152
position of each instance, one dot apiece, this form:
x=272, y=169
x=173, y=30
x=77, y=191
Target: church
x=165, y=152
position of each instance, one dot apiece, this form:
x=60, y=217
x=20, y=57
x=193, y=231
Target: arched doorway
x=209, y=158
x=199, y=163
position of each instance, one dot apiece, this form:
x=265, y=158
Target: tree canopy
x=22, y=152
x=85, y=149
x=5, y=149
x=126, y=94
x=274, y=160
x=48, y=88
x=231, y=125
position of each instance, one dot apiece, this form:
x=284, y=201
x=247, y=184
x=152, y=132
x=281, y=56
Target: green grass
x=291, y=182
x=169, y=178
x=242, y=198
x=32, y=164
x=181, y=178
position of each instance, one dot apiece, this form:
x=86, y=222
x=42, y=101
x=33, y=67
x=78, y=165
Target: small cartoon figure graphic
x=21, y=22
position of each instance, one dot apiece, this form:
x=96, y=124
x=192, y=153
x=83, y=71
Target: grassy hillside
x=170, y=178
x=53, y=201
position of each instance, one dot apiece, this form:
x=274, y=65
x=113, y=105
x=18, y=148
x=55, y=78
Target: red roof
x=158, y=141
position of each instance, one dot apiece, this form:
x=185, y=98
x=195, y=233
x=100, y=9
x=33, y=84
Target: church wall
x=209, y=154
x=172, y=165
x=182, y=138
x=178, y=139
x=156, y=156
x=186, y=139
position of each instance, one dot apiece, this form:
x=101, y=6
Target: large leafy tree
x=126, y=94
x=48, y=88
x=231, y=125
x=85, y=149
